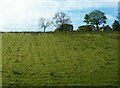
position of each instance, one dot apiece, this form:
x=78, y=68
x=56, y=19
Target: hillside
x=71, y=59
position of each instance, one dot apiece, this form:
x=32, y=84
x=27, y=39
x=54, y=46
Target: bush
x=116, y=26
x=84, y=28
x=64, y=27
x=58, y=30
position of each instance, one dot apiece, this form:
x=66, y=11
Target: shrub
x=84, y=28
x=116, y=26
x=57, y=30
x=64, y=27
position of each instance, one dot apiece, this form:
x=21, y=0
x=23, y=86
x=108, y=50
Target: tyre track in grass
x=34, y=50
x=68, y=60
x=34, y=60
x=27, y=54
x=62, y=65
x=10, y=45
x=50, y=59
x=101, y=49
x=76, y=68
x=38, y=59
x=13, y=47
x=6, y=43
x=53, y=53
x=25, y=68
x=15, y=67
x=42, y=51
x=55, y=63
x=13, y=59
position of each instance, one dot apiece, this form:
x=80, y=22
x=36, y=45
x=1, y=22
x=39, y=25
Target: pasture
x=60, y=59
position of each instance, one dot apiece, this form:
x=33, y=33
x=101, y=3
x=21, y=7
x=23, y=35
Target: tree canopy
x=116, y=26
x=60, y=19
x=95, y=18
x=94, y=21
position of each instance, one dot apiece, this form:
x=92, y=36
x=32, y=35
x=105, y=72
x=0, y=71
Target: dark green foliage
x=107, y=28
x=85, y=28
x=95, y=18
x=116, y=26
x=58, y=30
x=64, y=27
x=60, y=19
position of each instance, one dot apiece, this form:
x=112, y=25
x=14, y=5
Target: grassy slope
x=60, y=59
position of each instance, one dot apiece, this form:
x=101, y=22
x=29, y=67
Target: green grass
x=60, y=59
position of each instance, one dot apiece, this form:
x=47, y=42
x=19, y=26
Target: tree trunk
x=62, y=27
x=44, y=29
x=97, y=27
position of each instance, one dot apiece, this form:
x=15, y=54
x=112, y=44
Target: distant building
x=107, y=28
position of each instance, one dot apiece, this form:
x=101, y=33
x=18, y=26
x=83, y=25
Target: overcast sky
x=23, y=15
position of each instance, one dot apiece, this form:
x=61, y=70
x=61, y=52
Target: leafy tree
x=95, y=18
x=116, y=26
x=60, y=19
x=66, y=27
x=43, y=23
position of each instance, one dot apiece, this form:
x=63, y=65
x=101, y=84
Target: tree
x=66, y=27
x=116, y=26
x=60, y=19
x=43, y=23
x=95, y=18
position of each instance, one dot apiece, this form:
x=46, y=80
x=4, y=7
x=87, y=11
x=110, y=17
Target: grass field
x=60, y=59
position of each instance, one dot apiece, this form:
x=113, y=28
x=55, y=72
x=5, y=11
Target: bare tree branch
x=43, y=23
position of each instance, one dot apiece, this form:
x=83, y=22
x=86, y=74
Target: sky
x=24, y=15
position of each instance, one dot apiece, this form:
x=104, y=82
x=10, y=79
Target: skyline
x=23, y=15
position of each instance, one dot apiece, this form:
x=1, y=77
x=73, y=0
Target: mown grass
x=60, y=59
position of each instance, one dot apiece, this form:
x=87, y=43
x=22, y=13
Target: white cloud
x=110, y=17
x=27, y=12
x=24, y=12
x=109, y=0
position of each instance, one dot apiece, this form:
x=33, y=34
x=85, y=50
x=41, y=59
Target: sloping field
x=60, y=59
